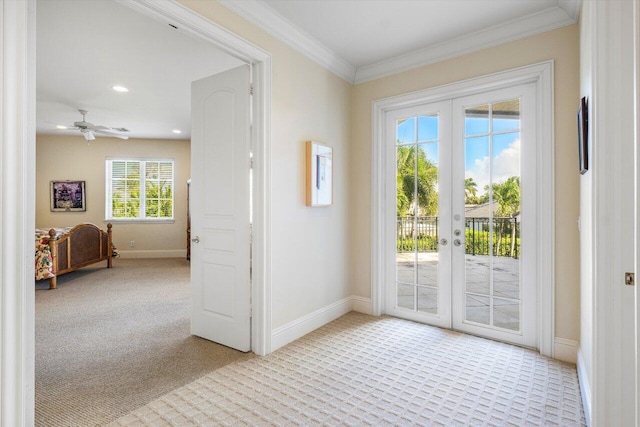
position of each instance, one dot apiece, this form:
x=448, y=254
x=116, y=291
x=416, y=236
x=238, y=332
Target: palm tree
x=507, y=195
x=470, y=191
x=417, y=180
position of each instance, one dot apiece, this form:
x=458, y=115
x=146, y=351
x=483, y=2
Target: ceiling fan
x=89, y=130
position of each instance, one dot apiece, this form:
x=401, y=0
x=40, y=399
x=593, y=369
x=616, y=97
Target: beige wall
x=562, y=46
x=72, y=158
x=309, y=246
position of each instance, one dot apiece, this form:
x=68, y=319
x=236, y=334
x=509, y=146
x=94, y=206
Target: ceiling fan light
x=61, y=127
x=88, y=135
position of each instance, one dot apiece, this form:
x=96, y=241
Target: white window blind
x=139, y=189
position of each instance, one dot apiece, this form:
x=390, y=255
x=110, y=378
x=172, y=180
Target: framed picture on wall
x=68, y=196
x=319, y=160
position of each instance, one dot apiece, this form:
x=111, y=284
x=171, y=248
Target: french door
x=461, y=245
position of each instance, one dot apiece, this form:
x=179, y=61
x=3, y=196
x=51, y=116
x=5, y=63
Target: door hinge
x=250, y=88
x=629, y=279
x=250, y=312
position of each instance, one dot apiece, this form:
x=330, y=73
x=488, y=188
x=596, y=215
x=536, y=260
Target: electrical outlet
x=132, y=243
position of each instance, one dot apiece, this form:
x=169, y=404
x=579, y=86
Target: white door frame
x=541, y=75
x=17, y=188
x=636, y=234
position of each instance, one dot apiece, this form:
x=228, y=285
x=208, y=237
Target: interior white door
x=220, y=209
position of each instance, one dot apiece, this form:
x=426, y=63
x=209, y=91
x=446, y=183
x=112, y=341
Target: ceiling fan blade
x=111, y=132
x=99, y=128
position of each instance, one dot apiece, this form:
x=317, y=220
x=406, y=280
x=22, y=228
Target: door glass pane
x=417, y=213
x=477, y=207
x=406, y=130
x=406, y=230
x=492, y=215
x=406, y=296
x=428, y=299
x=477, y=309
x=427, y=128
x=427, y=236
x=506, y=313
x=506, y=115
x=476, y=120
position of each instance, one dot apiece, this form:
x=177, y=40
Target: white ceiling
x=85, y=47
x=361, y=40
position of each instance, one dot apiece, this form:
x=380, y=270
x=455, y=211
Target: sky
x=504, y=135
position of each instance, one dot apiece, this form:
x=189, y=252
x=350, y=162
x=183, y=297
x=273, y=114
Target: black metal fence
x=423, y=232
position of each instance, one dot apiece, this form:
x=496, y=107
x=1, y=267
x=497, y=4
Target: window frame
x=143, y=180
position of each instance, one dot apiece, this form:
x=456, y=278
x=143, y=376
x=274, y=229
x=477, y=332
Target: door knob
x=196, y=239
x=457, y=242
x=444, y=242
x=457, y=232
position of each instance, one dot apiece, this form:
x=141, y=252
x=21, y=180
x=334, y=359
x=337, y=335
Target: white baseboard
x=565, y=350
x=293, y=330
x=361, y=304
x=585, y=388
x=175, y=253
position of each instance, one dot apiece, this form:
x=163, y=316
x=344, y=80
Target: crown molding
x=541, y=22
x=275, y=24
x=263, y=16
x=572, y=7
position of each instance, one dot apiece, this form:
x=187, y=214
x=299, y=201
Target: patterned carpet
x=361, y=370
x=109, y=341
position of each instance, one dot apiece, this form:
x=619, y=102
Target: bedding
x=44, y=261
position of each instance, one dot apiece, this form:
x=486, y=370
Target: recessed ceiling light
x=177, y=131
x=61, y=127
x=120, y=88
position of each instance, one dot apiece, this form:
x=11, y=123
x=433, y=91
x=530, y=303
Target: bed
x=61, y=250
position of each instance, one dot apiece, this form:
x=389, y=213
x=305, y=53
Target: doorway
x=19, y=304
x=459, y=236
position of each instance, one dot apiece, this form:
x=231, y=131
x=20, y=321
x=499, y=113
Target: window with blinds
x=139, y=189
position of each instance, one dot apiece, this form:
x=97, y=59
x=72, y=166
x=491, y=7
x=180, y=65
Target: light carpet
x=361, y=371
x=109, y=341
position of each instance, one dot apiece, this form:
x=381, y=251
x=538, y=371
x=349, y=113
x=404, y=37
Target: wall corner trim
x=361, y=304
x=565, y=350
x=291, y=331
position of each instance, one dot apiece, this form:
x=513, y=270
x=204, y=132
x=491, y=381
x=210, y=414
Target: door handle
x=196, y=239
x=457, y=242
x=444, y=242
